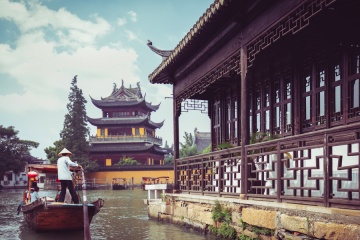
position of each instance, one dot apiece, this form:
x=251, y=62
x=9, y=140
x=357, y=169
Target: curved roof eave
x=117, y=103
x=159, y=74
x=152, y=107
x=123, y=121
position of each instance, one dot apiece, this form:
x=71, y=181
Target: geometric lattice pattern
x=294, y=22
x=193, y=104
x=307, y=170
x=200, y=85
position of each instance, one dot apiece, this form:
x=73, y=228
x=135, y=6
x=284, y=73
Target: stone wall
x=258, y=219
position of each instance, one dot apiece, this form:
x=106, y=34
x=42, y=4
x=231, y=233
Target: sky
x=45, y=43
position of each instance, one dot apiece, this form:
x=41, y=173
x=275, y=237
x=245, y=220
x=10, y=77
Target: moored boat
x=47, y=215
x=44, y=214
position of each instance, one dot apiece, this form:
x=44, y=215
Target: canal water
x=124, y=216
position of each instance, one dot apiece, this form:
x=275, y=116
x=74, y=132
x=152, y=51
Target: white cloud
x=131, y=36
x=69, y=28
x=121, y=21
x=133, y=16
x=44, y=66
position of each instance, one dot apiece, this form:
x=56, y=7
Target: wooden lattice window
x=266, y=107
x=336, y=94
x=262, y=108
x=319, y=90
x=231, y=120
x=257, y=110
x=251, y=111
x=235, y=118
x=217, y=122
x=354, y=86
x=228, y=120
x=282, y=106
x=313, y=105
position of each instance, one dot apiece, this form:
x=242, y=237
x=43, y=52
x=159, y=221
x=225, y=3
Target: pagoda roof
x=127, y=103
x=125, y=97
x=124, y=121
x=127, y=147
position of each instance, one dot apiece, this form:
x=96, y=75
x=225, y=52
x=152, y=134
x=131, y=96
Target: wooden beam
x=244, y=116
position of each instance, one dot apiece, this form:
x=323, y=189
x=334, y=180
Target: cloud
x=53, y=47
x=130, y=35
x=121, y=21
x=69, y=29
x=133, y=16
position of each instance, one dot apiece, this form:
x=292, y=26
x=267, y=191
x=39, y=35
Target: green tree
x=75, y=133
x=127, y=161
x=53, y=151
x=207, y=149
x=168, y=159
x=13, y=151
x=188, y=148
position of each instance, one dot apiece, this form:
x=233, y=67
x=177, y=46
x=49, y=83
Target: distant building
x=19, y=180
x=125, y=129
x=202, y=140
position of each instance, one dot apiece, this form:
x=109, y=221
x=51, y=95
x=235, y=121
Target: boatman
x=64, y=175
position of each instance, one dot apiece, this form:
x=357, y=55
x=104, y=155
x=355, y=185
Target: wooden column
x=176, y=115
x=244, y=117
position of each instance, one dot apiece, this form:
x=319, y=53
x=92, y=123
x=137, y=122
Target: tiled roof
x=202, y=140
x=205, y=21
x=125, y=93
x=124, y=103
x=124, y=121
x=127, y=147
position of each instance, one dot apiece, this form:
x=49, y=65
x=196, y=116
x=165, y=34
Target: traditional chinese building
x=125, y=129
x=287, y=69
x=202, y=140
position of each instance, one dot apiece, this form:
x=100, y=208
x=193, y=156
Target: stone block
x=236, y=218
x=294, y=223
x=195, y=214
x=180, y=212
x=260, y=218
x=167, y=209
x=153, y=211
x=336, y=231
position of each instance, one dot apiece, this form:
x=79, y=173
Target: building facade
x=281, y=80
x=125, y=129
x=20, y=179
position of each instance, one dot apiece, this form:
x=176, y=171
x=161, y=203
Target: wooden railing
x=317, y=168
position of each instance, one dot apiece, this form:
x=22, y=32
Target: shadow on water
x=124, y=216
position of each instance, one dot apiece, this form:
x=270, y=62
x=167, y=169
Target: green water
x=124, y=216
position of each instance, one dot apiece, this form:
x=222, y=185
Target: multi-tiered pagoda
x=125, y=129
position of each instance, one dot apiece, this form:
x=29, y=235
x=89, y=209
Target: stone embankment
x=258, y=219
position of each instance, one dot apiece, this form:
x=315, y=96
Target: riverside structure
x=280, y=82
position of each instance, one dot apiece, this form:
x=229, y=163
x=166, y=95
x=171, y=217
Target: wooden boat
x=116, y=185
x=45, y=214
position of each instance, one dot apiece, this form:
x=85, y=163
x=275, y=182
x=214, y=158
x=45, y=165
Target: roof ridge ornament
x=163, y=53
x=114, y=89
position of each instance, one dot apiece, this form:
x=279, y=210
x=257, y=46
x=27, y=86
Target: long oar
x=85, y=209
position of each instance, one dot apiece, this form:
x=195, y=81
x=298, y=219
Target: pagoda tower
x=125, y=129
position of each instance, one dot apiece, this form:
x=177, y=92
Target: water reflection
x=124, y=216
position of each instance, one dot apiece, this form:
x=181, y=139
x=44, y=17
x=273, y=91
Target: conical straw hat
x=64, y=151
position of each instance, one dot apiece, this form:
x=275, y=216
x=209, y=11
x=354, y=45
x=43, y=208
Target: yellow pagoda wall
x=137, y=175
